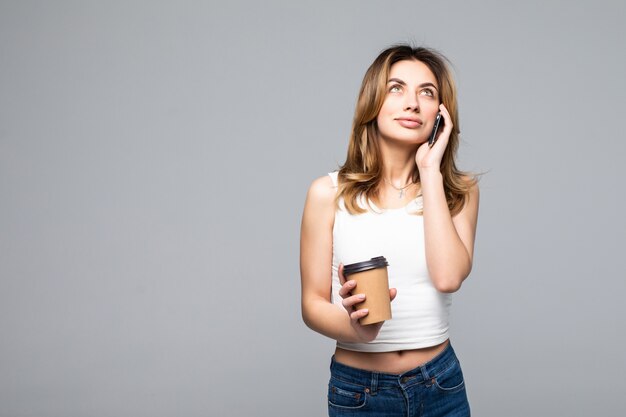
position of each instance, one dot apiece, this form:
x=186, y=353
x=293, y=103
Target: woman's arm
x=316, y=246
x=449, y=240
x=316, y=240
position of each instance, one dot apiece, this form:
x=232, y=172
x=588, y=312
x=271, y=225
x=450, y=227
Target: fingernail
x=361, y=296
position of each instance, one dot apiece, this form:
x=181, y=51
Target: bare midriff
x=389, y=362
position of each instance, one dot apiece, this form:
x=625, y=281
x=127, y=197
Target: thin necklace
x=401, y=189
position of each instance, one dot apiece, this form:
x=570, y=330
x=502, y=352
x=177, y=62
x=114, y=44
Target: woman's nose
x=411, y=103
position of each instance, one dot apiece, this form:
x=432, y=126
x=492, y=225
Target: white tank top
x=419, y=311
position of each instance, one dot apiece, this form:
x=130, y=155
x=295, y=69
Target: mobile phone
x=433, y=135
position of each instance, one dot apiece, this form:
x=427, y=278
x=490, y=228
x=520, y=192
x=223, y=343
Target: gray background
x=154, y=159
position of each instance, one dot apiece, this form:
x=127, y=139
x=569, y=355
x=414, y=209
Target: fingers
x=349, y=302
x=446, y=116
x=443, y=134
x=347, y=288
x=359, y=314
x=392, y=293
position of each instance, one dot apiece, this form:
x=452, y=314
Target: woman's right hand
x=368, y=332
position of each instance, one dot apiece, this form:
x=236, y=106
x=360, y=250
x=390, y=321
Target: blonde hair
x=361, y=174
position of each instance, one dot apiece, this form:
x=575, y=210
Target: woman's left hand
x=428, y=158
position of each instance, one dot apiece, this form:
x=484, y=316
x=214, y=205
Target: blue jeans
x=434, y=389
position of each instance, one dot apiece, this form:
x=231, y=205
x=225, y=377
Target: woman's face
x=411, y=104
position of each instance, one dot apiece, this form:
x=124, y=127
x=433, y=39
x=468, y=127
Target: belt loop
x=427, y=378
x=374, y=386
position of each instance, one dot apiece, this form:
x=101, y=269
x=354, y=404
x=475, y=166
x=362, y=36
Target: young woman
x=399, y=197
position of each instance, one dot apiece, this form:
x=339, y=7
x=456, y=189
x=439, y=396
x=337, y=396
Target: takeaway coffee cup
x=372, y=280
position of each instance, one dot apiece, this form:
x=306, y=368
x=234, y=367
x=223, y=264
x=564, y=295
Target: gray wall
x=154, y=159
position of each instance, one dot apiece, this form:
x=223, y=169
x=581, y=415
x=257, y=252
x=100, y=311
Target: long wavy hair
x=361, y=174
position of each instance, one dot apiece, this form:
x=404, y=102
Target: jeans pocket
x=451, y=380
x=342, y=394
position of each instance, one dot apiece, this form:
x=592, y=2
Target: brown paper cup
x=374, y=283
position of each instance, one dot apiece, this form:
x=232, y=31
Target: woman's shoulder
x=323, y=190
x=319, y=208
x=471, y=182
x=471, y=195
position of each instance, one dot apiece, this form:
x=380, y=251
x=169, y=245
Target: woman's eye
x=427, y=92
x=395, y=89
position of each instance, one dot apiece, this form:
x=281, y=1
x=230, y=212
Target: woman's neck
x=397, y=186
x=398, y=164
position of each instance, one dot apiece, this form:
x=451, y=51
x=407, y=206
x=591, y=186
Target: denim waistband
x=431, y=369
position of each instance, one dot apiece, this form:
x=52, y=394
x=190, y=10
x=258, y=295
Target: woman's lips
x=409, y=123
